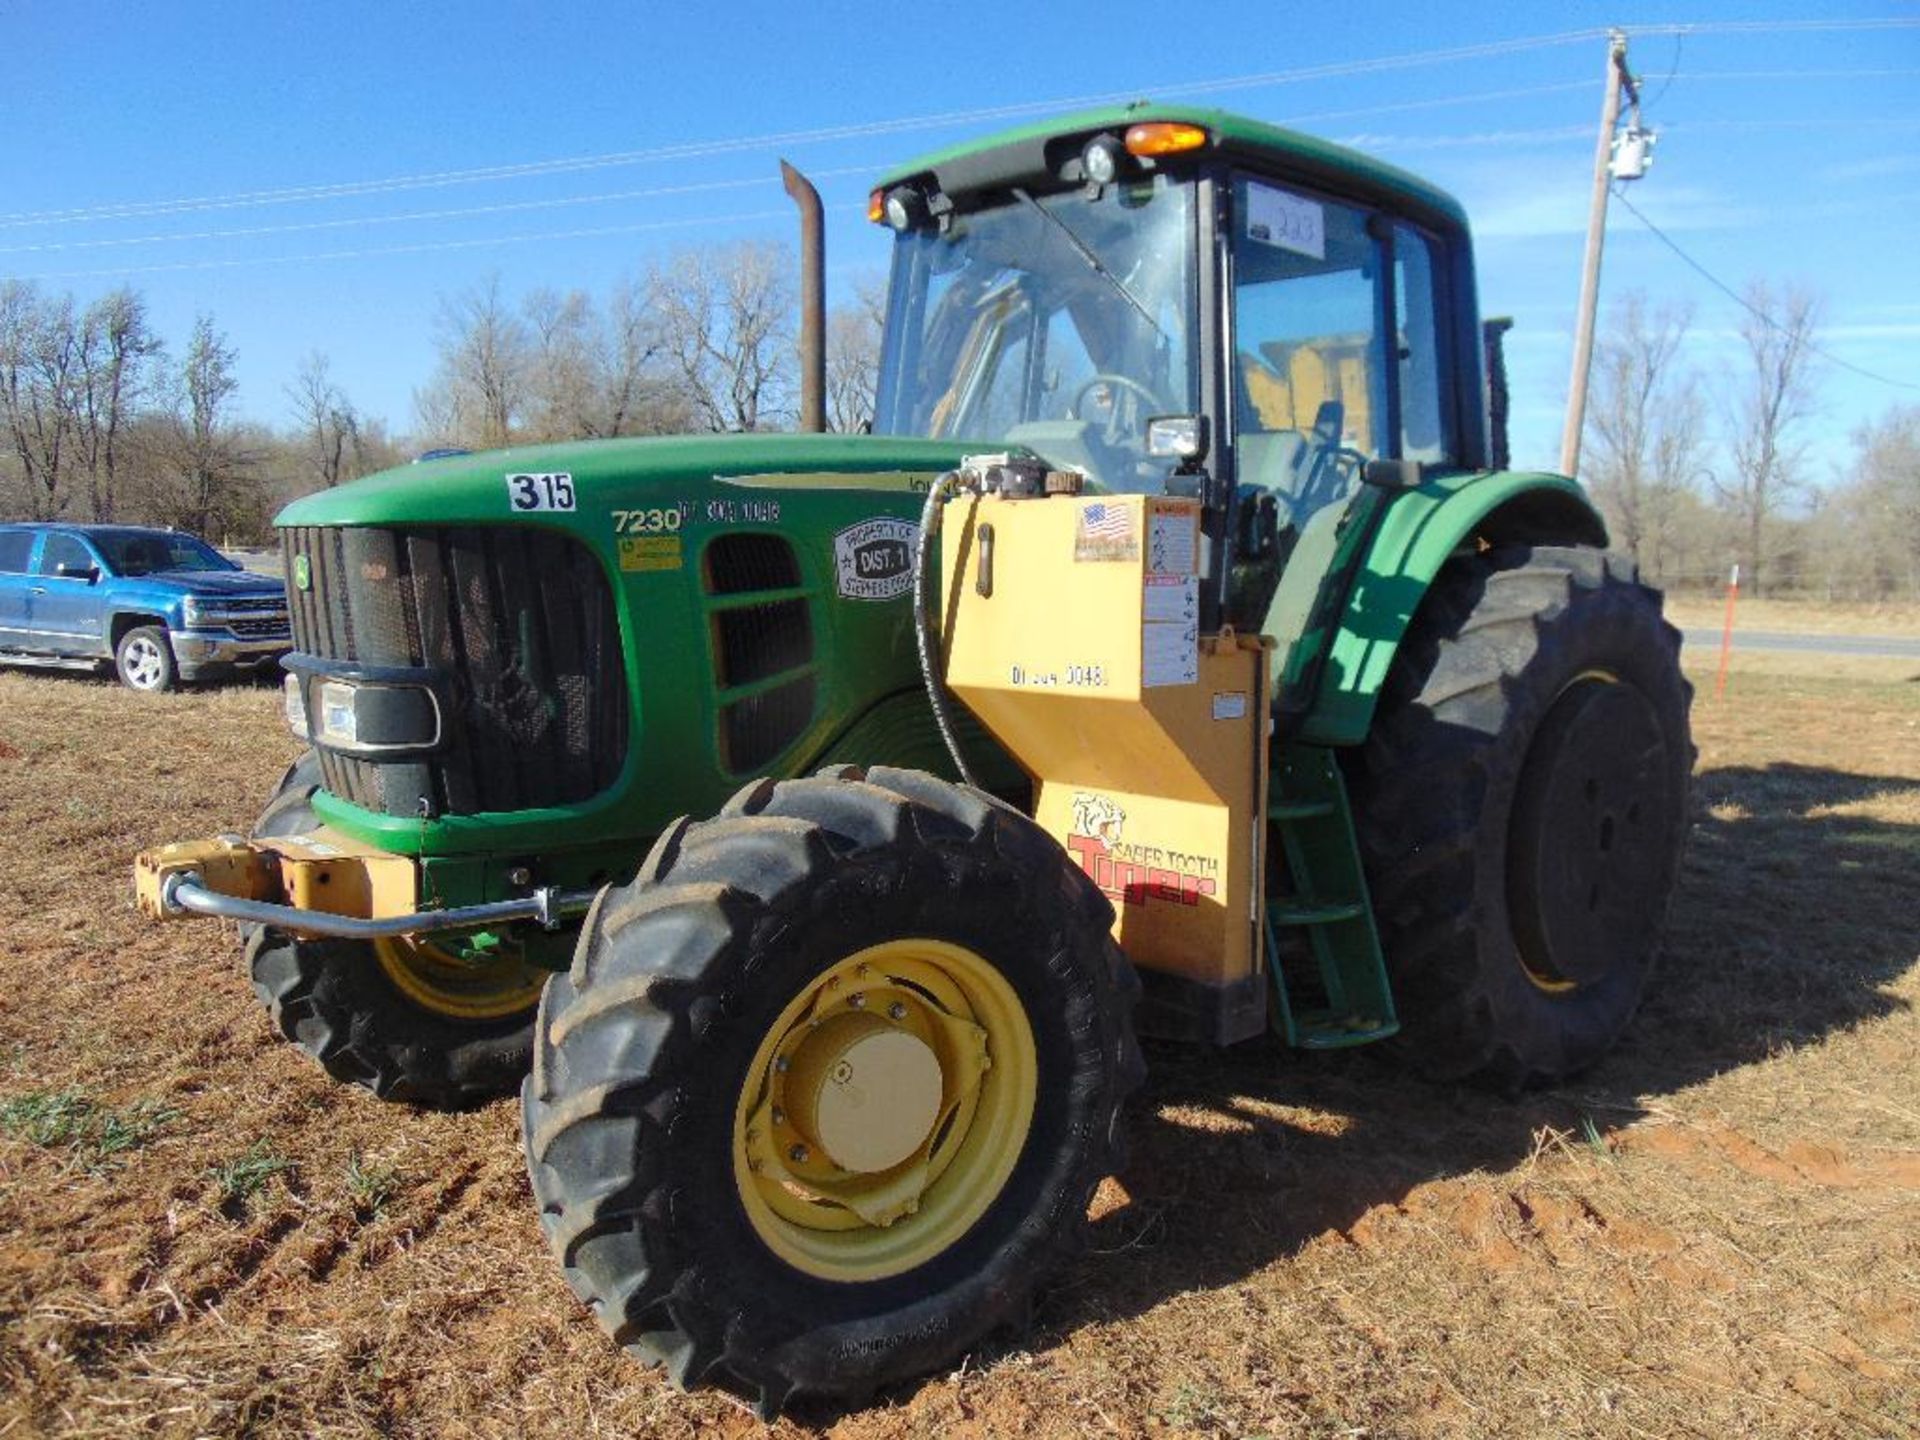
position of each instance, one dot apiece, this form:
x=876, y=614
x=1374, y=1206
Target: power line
x=707, y=148
x=1744, y=304
x=422, y=248
x=464, y=212
x=508, y=207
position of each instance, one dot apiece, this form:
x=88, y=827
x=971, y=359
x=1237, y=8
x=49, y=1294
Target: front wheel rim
x=884, y=1110
x=436, y=980
x=143, y=663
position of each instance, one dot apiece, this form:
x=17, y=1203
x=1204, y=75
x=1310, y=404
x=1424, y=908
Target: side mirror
x=88, y=573
x=1392, y=474
x=1177, y=437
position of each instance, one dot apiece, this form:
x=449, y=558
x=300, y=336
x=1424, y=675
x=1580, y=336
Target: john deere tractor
x=1172, y=655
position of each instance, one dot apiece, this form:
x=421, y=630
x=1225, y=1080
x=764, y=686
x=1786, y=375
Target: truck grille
x=519, y=629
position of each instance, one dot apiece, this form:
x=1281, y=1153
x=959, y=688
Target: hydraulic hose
x=941, y=491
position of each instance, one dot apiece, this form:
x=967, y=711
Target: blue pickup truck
x=158, y=605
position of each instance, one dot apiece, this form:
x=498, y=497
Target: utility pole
x=1604, y=171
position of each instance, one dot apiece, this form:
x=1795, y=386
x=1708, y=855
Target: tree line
x=104, y=421
x=703, y=341
x=1697, y=472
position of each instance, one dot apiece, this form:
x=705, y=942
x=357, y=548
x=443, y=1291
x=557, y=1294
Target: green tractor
x=1174, y=654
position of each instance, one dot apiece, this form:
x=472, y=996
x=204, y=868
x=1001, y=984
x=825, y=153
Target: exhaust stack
x=813, y=299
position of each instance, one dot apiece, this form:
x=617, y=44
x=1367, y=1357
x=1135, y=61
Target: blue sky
x=1788, y=153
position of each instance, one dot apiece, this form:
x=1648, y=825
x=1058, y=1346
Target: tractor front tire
x=396, y=1017
x=1522, y=808
x=830, y=1086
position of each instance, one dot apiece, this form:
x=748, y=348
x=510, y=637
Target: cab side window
x=1425, y=423
x=16, y=549
x=63, y=550
x=1309, y=364
x=1339, y=346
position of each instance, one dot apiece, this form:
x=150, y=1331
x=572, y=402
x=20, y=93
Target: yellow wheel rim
x=884, y=1110
x=437, y=980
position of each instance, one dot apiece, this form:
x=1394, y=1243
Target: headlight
x=296, y=707
x=194, y=610
x=370, y=718
x=339, y=724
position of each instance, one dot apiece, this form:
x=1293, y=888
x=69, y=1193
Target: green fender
x=1411, y=541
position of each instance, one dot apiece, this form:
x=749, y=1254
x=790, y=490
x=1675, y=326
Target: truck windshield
x=1057, y=323
x=147, y=552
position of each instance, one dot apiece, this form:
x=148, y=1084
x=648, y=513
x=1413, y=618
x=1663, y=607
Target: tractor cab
x=1056, y=293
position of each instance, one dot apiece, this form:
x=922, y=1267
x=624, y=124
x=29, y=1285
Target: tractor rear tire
x=861, y=906
x=1522, y=808
x=338, y=1001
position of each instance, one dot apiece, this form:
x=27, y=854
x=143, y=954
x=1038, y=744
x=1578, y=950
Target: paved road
x=1896, y=646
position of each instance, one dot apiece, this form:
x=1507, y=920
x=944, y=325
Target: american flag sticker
x=1106, y=532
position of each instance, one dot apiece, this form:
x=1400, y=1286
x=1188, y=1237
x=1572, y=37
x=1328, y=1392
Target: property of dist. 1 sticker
x=874, y=559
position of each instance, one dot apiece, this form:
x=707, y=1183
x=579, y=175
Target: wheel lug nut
x=779, y=1118
x=798, y=1154
x=896, y=1011
x=782, y=1065
x=857, y=1000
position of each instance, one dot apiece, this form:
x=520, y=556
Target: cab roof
x=1031, y=154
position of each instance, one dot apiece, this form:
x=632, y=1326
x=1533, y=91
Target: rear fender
x=1420, y=530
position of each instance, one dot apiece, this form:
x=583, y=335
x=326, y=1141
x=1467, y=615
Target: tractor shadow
x=1795, y=912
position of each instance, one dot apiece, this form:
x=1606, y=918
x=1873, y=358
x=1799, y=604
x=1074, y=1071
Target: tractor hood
x=607, y=475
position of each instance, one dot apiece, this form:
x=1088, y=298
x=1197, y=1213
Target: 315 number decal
x=540, y=492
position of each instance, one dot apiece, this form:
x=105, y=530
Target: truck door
x=16, y=555
x=63, y=603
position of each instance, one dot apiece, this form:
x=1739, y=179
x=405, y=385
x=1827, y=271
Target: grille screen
x=756, y=641
x=518, y=626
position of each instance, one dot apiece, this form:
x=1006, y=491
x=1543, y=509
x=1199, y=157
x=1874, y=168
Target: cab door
x=63, y=603
x=16, y=565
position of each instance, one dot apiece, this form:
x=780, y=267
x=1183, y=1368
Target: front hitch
x=321, y=884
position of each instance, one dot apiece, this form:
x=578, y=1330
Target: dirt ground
x=1715, y=1233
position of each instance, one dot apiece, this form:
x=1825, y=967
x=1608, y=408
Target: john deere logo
x=874, y=559
x=302, y=573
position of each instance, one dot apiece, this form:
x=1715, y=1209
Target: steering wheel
x=1118, y=382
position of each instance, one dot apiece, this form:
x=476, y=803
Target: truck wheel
x=830, y=1085
x=405, y=1018
x=1522, y=805
x=144, y=659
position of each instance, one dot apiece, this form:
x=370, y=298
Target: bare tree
x=853, y=358
x=725, y=318
x=641, y=397
x=116, y=351
x=565, y=366
x=1775, y=398
x=478, y=391
x=1881, y=505
x=38, y=372
x=332, y=447
x=1643, y=427
x=206, y=456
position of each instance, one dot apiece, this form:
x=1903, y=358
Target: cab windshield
x=1056, y=323
x=149, y=552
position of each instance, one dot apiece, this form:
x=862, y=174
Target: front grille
x=263, y=627
x=519, y=629
x=254, y=605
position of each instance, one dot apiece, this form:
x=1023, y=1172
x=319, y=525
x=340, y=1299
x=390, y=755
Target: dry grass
x=1715, y=1233
x=1806, y=617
